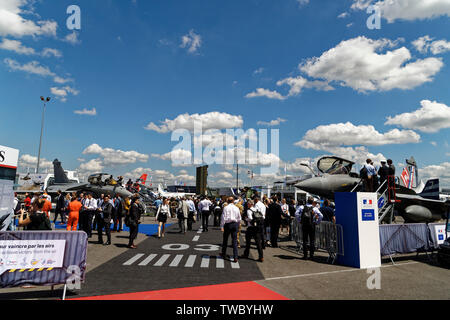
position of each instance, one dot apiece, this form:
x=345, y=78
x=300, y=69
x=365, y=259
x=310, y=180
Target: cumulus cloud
x=360, y=64
x=86, y=112
x=191, y=41
x=72, y=38
x=272, y=123
x=62, y=93
x=16, y=46
x=393, y=10
x=427, y=44
x=211, y=120
x=431, y=117
x=441, y=171
x=179, y=157
x=94, y=165
x=12, y=22
x=347, y=134
x=115, y=157
x=261, y=92
x=33, y=67
x=29, y=161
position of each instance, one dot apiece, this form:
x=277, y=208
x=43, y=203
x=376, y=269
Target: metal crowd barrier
x=329, y=238
x=75, y=254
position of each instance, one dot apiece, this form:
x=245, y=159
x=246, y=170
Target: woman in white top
x=161, y=217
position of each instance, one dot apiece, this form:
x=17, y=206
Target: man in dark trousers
x=309, y=216
x=104, y=221
x=255, y=225
x=274, y=214
x=118, y=213
x=60, y=205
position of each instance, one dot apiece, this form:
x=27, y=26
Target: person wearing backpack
x=255, y=227
x=309, y=216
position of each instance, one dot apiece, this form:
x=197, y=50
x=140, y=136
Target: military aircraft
x=414, y=204
x=164, y=194
x=98, y=184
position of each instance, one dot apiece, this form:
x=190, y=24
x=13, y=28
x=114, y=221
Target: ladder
x=386, y=212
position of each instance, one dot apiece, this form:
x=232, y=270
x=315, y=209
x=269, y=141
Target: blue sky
x=129, y=63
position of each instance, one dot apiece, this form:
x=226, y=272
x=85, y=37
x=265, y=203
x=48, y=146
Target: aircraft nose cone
x=308, y=185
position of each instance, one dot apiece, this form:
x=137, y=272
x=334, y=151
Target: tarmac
x=181, y=263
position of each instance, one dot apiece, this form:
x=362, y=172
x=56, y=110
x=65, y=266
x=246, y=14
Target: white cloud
x=72, y=38
x=49, y=52
x=116, y=157
x=272, y=123
x=191, y=41
x=393, y=10
x=359, y=64
x=260, y=92
x=347, y=134
x=258, y=71
x=433, y=143
x=441, y=171
x=13, y=24
x=61, y=80
x=222, y=175
x=343, y=15
x=94, y=165
x=62, y=93
x=426, y=43
x=16, y=46
x=32, y=67
x=297, y=84
x=211, y=120
x=87, y=112
x=430, y=118
x=302, y=2
x=179, y=157
x=29, y=161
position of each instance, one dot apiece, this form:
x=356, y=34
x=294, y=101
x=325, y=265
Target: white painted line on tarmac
x=220, y=263
x=331, y=272
x=235, y=265
x=176, y=261
x=134, y=259
x=147, y=260
x=196, y=238
x=205, y=262
x=190, y=262
x=162, y=260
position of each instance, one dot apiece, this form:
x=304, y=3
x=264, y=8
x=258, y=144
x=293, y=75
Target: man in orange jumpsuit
x=74, y=214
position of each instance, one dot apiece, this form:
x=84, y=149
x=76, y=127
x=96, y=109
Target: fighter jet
x=414, y=204
x=98, y=184
x=336, y=176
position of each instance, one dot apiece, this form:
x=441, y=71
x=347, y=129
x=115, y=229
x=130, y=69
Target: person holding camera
x=37, y=219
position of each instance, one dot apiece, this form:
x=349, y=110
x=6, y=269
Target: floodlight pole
x=42, y=131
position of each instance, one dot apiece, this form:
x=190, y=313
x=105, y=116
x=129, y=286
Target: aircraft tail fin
x=431, y=190
x=60, y=175
x=410, y=175
x=143, y=179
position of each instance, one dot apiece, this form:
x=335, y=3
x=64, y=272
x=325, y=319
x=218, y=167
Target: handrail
x=357, y=185
x=385, y=181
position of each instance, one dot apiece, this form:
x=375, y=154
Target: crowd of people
x=373, y=178
x=81, y=211
x=265, y=219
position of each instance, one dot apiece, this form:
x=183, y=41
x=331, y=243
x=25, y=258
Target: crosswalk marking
x=205, y=262
x=195, y=238
x=190, y=262
x=166, y=260
x=220, y=264
x=200, y=230
x=176, y=261
x=134, y=259
x=147, y=260
x=162, y=260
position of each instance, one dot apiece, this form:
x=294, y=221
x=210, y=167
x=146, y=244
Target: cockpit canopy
x=334, y=165
x=100, y=179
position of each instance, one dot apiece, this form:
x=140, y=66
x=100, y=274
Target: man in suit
x=183, y=213
x=104, y=220
x=274, y=214
x=60, y=205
